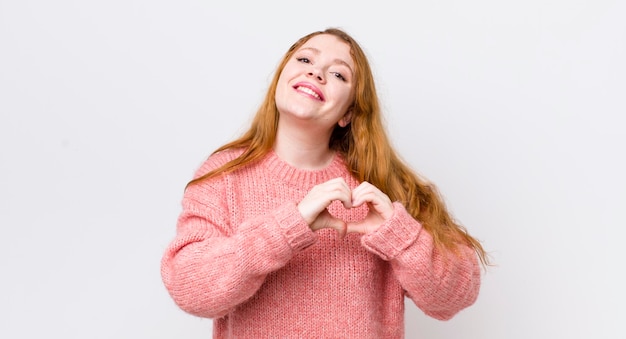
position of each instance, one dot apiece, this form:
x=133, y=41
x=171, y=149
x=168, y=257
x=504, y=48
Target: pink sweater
x=244, y=256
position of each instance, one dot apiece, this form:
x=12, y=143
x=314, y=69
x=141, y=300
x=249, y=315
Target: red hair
x=366, y=148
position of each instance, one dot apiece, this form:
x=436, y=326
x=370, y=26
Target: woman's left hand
x=380, y=208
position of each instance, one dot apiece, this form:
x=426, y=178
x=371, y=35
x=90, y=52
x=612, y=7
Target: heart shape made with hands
x=372, y=221
x=314, y=206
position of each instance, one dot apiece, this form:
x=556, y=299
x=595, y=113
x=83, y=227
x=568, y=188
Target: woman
x=309, y=225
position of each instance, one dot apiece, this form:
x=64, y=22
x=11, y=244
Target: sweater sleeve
x=440, y=283
x=210, y=267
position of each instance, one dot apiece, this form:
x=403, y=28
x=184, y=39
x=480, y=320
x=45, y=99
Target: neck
x=303, y=150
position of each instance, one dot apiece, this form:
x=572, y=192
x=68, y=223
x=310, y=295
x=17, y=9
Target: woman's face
x=316, y=85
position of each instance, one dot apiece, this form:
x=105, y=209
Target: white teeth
x=308, y=91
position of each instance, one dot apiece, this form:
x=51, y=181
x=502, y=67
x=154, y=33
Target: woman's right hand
x=313, y=205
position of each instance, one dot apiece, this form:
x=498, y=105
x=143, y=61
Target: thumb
x=365, y=226
x=326, y=220
x=356, y=227
x=336, y=224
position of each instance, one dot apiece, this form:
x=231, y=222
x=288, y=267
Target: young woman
x=309, y=225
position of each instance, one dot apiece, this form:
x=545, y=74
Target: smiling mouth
x=308, y=91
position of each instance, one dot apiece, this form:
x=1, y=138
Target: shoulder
x=217, y=160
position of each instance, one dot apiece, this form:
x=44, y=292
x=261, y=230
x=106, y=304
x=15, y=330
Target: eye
x=305, y=60
x=339, y=76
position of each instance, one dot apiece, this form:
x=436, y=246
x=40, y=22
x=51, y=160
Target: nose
x=316, y=73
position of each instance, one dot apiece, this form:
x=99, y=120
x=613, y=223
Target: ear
x=345, y=120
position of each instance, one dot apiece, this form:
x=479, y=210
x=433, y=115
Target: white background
x=515, y=109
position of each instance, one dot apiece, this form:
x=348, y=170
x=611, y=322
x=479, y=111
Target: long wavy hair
x=365, y=146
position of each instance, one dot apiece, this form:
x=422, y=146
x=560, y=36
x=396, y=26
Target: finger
x=342, y=229
x=369, y=224
x=361, y=227
x=365, y=192
x=376, y=201
x=382, y=206
x=355, y=228
x=364, y=186
x=326, y=220
x=322, y=195
x=343, y=191
x=371, y=196
x=338, y=225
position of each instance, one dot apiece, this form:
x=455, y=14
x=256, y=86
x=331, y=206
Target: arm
x=440, y=283
x=211, y=266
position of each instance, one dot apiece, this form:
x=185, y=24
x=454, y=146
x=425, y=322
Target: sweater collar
x=287, y=173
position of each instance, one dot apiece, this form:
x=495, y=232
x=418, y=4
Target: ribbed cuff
x=393, y=236
x=297, y=232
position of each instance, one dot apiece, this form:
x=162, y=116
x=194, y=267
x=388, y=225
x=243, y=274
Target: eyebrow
x=338, y=61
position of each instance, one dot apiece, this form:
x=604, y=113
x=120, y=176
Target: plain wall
x=514, y=109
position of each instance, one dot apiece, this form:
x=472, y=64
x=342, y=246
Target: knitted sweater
x=244, y=256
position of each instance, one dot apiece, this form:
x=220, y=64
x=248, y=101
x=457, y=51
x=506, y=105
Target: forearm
x=208, y=273
x=441, y=283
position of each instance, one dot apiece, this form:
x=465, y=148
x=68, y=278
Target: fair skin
x=313, y=95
